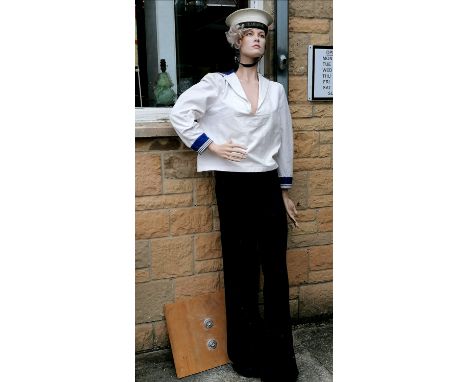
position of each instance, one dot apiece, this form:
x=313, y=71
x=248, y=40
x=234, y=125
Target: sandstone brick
x=211, y=265
x=221, y=280
x=208, y=246
x=321, y=276
x=306, y=228
x=191, y=220
x=150, y=298
x=324, y=238
x=320, y=182
x=298, y=193
x=316, y=8
x=161, y=335
x=325, y=214
x=150, y=224
x=181, y=165
x=298, y=67
x=147, y=174
x=325, y=227
x=297, y=89
x=293, y=292
x=310, y=164
x=306, y=215
x=308, y=25
x=143, y=144
x=143, y=337
x=166, y=143
x=315, y=299
x=326, y=137
x=216, y=224
x=320, y=257
x=204, y=192
x=323, y=123
x=298, y=266
x=298, y=47
x=319, y=39
x=326, y=150
x=142, y=253
x=177, y=186
x=172, y=257
x=294, y=309
x=325, y=219
x=308, y=240
x=197, y=284
x=316, y=201
x=322, y=109
x=306, y=144
x=142, y=275
x=163, y=201
x=301, y=110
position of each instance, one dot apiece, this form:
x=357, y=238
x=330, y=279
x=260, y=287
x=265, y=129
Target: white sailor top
x=217, y=110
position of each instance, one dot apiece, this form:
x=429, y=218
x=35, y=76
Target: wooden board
x=189, y=336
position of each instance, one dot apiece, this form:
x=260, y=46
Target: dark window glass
x=201, y=47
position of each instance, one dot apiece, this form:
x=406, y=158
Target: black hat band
x=254, y=24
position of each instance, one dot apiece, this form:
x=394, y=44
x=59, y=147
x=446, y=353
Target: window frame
x=166, y=46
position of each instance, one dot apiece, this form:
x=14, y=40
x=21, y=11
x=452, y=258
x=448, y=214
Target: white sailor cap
x=250, y=18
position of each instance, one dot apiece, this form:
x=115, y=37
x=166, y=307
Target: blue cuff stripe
x=286, y=181
x=199, y=142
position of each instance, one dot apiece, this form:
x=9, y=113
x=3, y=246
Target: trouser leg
x=254, y=231
x=241, y=292
x=241, y=265
x=279, y=358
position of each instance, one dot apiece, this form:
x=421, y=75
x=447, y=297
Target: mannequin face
x=252, y=45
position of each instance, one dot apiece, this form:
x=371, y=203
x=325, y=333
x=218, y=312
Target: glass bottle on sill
x=163, y=92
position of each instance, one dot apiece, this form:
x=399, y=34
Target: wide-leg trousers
x=254, y=229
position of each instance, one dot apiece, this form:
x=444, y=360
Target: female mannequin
x=241, y=127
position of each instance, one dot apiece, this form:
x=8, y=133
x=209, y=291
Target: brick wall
x=178, y=250
x=310, y=247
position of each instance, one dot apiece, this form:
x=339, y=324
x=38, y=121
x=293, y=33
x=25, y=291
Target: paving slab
x=313, y=345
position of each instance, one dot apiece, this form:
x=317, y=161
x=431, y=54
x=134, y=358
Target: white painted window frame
x=165, y=27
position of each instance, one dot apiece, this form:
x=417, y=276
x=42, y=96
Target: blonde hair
x=235, y=34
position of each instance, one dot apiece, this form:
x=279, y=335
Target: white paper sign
x=320, y=73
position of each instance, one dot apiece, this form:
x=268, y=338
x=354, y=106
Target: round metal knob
x=208, y=323
x=212, y=344
x=283, y=62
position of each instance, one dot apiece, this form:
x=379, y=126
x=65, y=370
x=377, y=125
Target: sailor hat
x=250, y=18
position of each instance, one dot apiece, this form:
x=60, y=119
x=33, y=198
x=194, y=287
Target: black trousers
x=254, y=230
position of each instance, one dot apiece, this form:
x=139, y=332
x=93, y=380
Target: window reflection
x=201, y=47
x=201, y=43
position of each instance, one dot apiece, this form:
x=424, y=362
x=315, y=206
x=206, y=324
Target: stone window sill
x=154, y=129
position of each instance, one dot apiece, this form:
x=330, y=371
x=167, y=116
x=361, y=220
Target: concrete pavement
x=313, y=344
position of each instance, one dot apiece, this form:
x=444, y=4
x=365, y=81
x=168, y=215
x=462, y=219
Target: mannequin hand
x=230, y=151
x=290, y=208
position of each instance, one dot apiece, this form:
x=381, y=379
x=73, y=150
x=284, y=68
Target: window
x=177, y=42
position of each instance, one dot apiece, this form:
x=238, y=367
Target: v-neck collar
x=236, y=85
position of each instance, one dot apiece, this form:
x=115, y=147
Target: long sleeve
x=190, y=107
x=285, y=154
